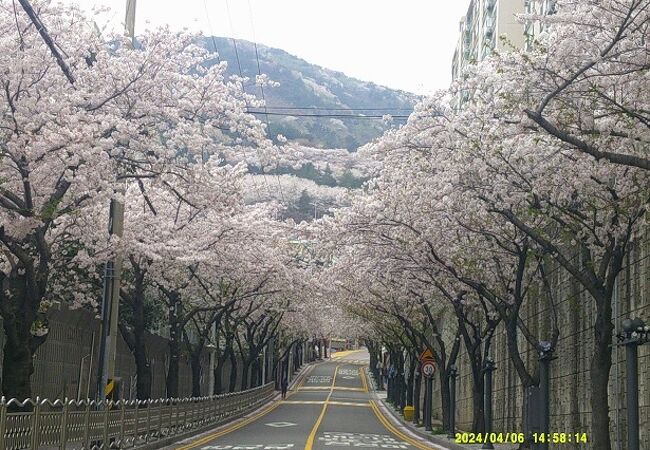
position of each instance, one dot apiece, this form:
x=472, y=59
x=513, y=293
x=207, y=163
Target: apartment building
x=534, y=28
x=492, y=25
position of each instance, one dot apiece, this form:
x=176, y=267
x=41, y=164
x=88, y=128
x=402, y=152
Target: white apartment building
x=540, y=7
x=492, y=25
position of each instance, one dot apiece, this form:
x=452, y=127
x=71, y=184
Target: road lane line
x=230, y=429
x=320, y=402
x=364, y=382
x=310, y=440
x=386, y=422
x=390, y=427
x=325, y=388
x=243, y=423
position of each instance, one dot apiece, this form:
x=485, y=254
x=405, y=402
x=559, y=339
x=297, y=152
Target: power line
x=214, y=41
x=207, y=15
x=259, y=73
x=323, y=108
x=241, y=75
x=333, y=116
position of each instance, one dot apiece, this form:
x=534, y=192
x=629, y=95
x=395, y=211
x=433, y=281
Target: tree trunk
x=232, y=382
x=601, y=364
x=255, y=374
x=20, y=299
x=245, y=369
x=195, y=362
x=416, y=399
x=411, y=379
x=135, y=339
x=473, y=347
x=175, y=342
x=142, y=366
x=445, y=399
x=175, y=345
x=218, y=371
x=17, y=368
x=478, y=420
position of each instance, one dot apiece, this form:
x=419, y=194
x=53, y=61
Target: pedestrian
x=284, y=385
x=380, y=375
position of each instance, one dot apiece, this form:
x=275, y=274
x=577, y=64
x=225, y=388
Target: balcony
x=489, y=24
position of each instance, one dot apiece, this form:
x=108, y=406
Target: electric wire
x=322, y=108
x=241, y=75
x=351, y=116
x=214, y=41
x=259, y=73
x=207, y=15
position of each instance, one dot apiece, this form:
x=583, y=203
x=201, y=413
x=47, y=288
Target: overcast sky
x=403, y=44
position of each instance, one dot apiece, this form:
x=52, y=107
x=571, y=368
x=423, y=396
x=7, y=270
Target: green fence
x=42, y=424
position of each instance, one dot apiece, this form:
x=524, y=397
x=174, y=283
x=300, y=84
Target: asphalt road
x=330, y=408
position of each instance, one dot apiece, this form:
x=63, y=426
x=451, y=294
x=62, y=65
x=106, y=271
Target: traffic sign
x=426, y=355
x=428, y=368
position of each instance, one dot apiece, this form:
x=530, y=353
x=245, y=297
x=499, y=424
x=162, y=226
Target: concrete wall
x=570, y=394
x=68, y=347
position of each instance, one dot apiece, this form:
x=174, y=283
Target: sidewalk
x=438, y=441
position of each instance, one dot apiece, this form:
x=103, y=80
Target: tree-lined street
x=488, y=243
x=330, y=407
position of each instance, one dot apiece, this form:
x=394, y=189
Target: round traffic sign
x=428, y=368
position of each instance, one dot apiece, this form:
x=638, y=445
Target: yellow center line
x=242, y=423
x=312, y=436
x=389, y=426
x=364, y=382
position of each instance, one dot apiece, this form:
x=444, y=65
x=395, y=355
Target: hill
x=318, y=91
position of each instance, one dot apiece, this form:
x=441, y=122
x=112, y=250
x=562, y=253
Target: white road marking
x=281, y=424
x=319, y=379
x=249, y=447
x=361, y=440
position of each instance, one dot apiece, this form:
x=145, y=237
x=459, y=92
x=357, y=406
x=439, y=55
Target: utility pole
x=110, y=309
x=106, y=384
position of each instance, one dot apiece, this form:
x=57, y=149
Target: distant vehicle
x=338, y=344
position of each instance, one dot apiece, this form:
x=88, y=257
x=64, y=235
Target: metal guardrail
x=125, y=424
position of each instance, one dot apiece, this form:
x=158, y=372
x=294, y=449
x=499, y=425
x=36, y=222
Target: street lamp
x=453, y=374
x=545, y=351
x=489, y=366
x=635, y=333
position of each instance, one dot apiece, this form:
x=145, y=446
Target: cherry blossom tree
x=591, y=90
x=70, y=143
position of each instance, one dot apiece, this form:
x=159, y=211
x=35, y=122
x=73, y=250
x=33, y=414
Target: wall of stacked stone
x=68, y=347
x=570, y=377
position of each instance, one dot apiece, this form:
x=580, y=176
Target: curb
x=440, y=442
x=193, y=435
x=395, y=417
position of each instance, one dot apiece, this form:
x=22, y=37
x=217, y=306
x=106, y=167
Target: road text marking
x=361, y=440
